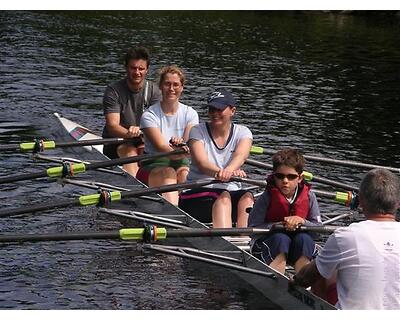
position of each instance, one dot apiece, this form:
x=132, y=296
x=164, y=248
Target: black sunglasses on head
x=290, y=176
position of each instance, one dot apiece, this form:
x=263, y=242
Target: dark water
x=327, y=84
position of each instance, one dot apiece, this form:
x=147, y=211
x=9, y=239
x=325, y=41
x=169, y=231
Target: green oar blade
x=30, y=146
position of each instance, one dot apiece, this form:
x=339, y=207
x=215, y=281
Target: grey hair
x=380, y=192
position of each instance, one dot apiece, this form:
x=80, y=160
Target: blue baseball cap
x=221, y=99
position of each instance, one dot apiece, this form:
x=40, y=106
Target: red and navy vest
x=279, y=207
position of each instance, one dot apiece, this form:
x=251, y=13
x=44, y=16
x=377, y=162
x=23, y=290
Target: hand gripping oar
x=261, y=150
x=70, y=169
x=308, y=176
x=349, y=199
x=104, y=198
x=41, y=145
x=152, y=233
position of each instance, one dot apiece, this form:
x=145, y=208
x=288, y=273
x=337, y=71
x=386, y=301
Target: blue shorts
x=292, y=244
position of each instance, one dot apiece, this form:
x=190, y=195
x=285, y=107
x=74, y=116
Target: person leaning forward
x=218, y=149
x=166, y=127
x=287, y=200
x=123, y=104
x=365, y=256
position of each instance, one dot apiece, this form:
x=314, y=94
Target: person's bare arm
x=200, y=158
x=157, y=140
x=116, y=130
x=307, y=276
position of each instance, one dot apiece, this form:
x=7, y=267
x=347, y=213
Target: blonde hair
x=174, y=70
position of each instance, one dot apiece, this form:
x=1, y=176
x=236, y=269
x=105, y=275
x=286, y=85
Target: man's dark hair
x=138, y=53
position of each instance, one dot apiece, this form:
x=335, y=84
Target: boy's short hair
x=138, y=53
x=290, y=158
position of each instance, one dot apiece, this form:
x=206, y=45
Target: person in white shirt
x=218, y=149
x=166, y=126
x=365, y=256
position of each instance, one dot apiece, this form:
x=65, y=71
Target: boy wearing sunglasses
x=287, y=200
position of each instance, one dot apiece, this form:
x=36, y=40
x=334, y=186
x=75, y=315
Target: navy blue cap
x=220, y=99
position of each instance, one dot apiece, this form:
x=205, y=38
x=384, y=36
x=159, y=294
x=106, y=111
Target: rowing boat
x=217, y=251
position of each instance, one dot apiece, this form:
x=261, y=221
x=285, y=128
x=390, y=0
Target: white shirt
x=366, y=256
x=169, y=125
x=220, y=156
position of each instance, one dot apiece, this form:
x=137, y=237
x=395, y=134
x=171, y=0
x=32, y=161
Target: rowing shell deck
x=216, y=250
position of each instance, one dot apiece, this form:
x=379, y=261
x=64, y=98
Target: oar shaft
x=60, y=236
x=23, y=177
x=259, y=164
x=92, y=142
x=10, y=147
x=351, y=163
x=38, y=207
x=93, y=199
x=336, y=184
x=261, y=150
x=81, y=167
x=30, y=146
x=122, y=161
x=314, y=178
x=132, y=234
x=316, y=229
x=168, y=188
x=345, y=198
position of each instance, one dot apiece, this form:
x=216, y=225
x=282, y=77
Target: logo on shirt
x=388, y=246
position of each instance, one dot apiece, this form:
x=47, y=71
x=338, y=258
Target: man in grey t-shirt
x=123, y=104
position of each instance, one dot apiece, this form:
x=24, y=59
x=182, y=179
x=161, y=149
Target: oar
x=151, y=233
x=95, y=199
x=75, y=168
x=308, y=176
x=44, y=145
x=349, y=199
x=261, y=150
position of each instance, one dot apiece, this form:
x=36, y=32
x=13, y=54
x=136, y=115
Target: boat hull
x=245, y=267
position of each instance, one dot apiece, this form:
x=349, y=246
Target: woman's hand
x=226, y=174
x=223, y=175
x=293, y=222
x=239, y=173
x=177, y=143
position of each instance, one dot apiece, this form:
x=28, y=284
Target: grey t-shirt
x=170, y=126
x=220, y=156
x=118, y=98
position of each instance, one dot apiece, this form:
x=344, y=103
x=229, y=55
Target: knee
x=224, y=198
x=302, y=238
x=168, y=173
x=126, y=150
x=247, y=199
x=182, y=173
x=280, y=238
x=162, y=174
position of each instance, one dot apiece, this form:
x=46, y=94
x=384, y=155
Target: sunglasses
x=290, y=176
